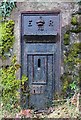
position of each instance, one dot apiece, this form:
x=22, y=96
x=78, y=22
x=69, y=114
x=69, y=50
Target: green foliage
x=66, y=80
x=72, y=60
x=79, y=2
x=72, y=55
x=72, y=73
x=66, y=38
x=77, y=30
x=6, y=37
x=73, y=85
x=6, y=7
x=6, y=28
x=74, y=20
x=10, y=85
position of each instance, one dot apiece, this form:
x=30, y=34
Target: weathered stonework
x=66, y=8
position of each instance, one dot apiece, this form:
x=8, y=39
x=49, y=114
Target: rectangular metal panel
x=40, y=79
x=41, y=24
x=37, y=89
x=40, y=32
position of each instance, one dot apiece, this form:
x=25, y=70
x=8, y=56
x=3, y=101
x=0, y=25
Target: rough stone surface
x=66, y=9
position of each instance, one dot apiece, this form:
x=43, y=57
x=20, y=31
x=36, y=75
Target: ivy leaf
x=73, y=85
x=6, y=8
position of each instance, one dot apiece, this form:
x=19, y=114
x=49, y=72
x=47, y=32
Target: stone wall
x=66, y=8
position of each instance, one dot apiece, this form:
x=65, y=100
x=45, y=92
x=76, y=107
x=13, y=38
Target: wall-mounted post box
x=40, y=37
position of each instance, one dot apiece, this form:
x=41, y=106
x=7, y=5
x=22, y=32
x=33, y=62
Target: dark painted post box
x=40, y=36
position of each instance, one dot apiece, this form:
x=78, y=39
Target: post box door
x=40, y=74
x=40, y=56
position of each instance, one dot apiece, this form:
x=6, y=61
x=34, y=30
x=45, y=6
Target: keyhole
x=39, y=63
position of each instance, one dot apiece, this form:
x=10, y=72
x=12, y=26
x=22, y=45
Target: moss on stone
x=66, y=38
x=74, y=20
x=78, y=30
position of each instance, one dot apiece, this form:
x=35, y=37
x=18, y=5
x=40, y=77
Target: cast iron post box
x=39, y=46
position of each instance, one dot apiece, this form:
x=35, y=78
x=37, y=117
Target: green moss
x=66, y=38
x=72, y=61
x=77, y=30
x=10, y=85
x=74, y=20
